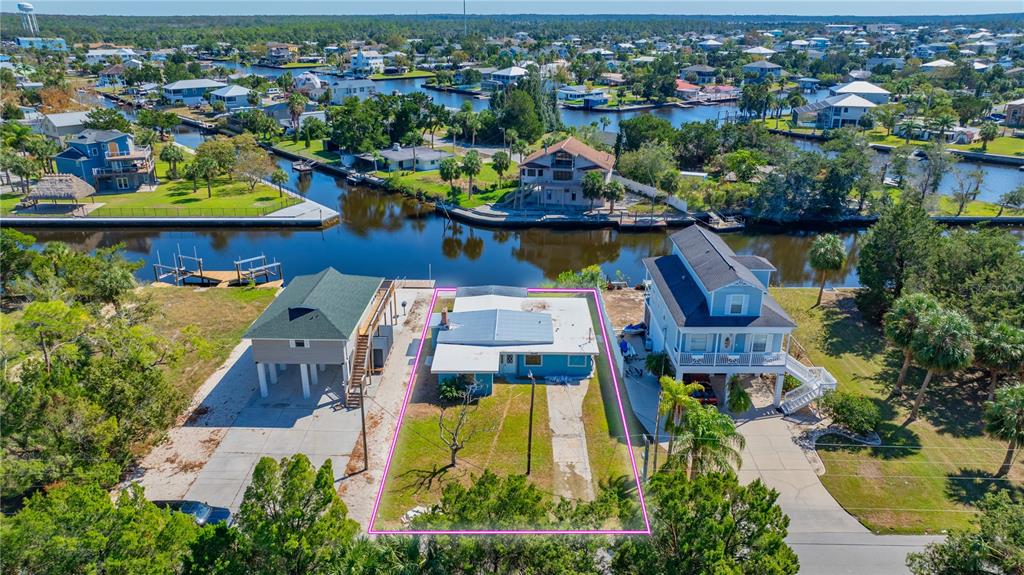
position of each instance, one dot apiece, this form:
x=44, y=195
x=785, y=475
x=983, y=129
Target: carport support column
x=303, y=371
x=780, y=379
x=273, y=373
x=261, y=372
x=313, y=372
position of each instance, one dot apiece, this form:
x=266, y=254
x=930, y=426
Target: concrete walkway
x=573, y=478
x=828, y=540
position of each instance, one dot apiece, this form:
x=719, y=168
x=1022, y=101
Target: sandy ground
x=171, y=467
x=384, y=401
x=624, y=306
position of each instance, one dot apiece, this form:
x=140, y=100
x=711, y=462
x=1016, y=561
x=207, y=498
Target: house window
x=736, y=304
x=121, y=183
x=300, y=343
x=531, y=173
x=574, y=196
x=533, y=360
x=699, y=342
x=540, y=173
x=562, y=160
x=577, y=361
x=759, y=343
x=562, y=175
x=93, y=151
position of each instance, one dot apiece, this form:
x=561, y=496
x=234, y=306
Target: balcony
x=143, y=167
x=139, y=153
x=710, y=359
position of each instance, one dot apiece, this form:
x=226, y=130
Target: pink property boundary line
x=622, y=415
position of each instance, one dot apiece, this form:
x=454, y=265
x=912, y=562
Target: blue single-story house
x=502, y=332
x=233, y=96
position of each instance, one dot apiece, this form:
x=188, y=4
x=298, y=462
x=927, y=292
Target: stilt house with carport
x=326, y=319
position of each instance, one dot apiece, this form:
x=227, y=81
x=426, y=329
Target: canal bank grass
x=1003, y=145
x=8, y=200
x=315, y=151
x=948, y=207
x=219, y=316
x=229, y=197
x=927, y=476
x=418, y=470
x=430, y=184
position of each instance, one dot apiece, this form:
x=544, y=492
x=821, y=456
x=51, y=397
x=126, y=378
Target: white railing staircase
x=815, y=381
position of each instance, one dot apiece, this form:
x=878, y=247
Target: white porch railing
x=709, y=359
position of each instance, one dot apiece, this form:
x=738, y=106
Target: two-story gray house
x=709, y=309
x=326, y=319
x=553, y=176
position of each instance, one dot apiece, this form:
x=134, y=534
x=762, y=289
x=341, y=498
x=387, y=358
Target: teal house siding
x=555, y=365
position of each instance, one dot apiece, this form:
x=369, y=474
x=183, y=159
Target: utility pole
x=362, y=417
x=465, y=22
x=529, y=437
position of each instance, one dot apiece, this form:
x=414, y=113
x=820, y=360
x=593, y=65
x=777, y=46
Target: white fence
x=650, y=192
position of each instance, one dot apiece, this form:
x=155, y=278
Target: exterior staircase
x=815, y=381
x=354, y=390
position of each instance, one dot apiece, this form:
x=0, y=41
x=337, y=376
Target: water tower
x=28, y=18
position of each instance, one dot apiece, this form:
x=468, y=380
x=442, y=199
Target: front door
x=508, y=363
x=728, y=342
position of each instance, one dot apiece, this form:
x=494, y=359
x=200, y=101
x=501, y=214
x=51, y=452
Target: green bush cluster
x=854, y=412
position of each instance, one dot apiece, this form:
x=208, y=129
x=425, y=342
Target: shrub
x=451, y=387
x=854, y=412
x=790, y=382
x=739, y=399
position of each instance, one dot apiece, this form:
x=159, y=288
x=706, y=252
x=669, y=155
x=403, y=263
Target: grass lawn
x=315, y=151
x=229, y=197
x=948, y=207
x=7, y=202
x=1003, y=145
x=300, y=65
x=927, y=475
x=222, y=316
x=418, y=467
x=406, y=76
x=431, y=184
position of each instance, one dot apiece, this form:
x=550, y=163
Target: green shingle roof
x=326, y=305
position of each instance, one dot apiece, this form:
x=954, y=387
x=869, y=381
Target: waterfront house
x=190, y=92
x=875, y=94
x=112, y=76
x=699, y=74
x=895, y=63
x=760, y=70
x=1014, y=112
x=309, y=85
x=104, y=55
x=502, y=332
x=581, y=95
x=343, y=88
x=42, y=44
x=365, y=63
x=686, y=90
x=553, y=176
x=710, y=45
x=232, y=97
x=399, y=159
x=107, y=160
x=709, y=309
x=325, y=319
x=505, y=77
x=833, y=112
x=807, y=84
x=58, y=126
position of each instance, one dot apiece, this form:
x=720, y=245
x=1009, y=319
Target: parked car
x=202, y=512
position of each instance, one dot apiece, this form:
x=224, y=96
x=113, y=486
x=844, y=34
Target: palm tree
x=710, y=443
x=172, y=154
x=16, y=136
x=944, y=342
x=675, y=399
x=278, y=178
x=296, y=106
x=901, y=322
x=593, y=186
x=943, y=122
x=828, y=254
x=471, y=166
x=1000, y=349
x=1004, y=419
x=658, y=363
x=613, y=191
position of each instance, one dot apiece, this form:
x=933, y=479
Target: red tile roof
x=682, y=85
x=576, y=148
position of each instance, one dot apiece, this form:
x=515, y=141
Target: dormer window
x=736, y=304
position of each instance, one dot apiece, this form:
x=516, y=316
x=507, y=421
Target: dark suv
x=202, y=512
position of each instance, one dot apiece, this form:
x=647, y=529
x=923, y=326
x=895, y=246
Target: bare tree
x=457, y=431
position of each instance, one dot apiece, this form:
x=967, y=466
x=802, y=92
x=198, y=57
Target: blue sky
x=745, y=7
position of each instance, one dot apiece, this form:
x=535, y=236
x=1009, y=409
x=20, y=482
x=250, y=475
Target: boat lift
x=248, y=271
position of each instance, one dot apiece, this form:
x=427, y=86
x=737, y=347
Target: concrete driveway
x=282, y=424
x=828, y=540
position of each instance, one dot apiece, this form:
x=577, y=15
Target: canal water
x=387, y=235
